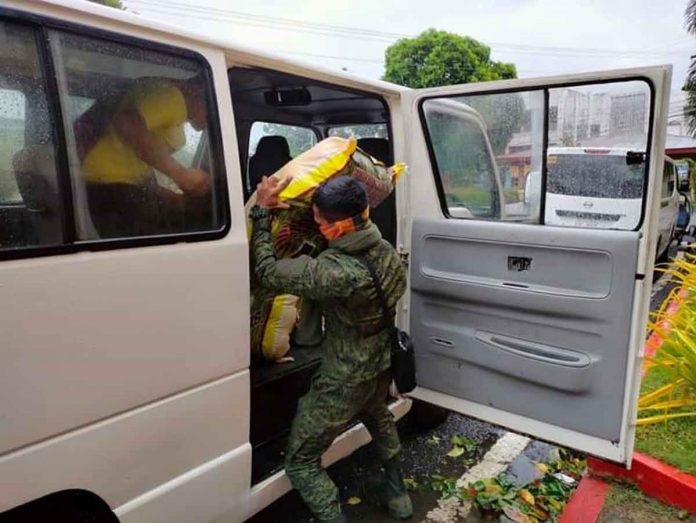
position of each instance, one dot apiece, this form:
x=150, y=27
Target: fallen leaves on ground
x=455, y=452
x=541, y=501
x=411, y=484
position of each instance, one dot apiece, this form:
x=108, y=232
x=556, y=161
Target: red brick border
x=653, y=477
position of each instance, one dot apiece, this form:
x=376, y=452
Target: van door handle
x=533, y=350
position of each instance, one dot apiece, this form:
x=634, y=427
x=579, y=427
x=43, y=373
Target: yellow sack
x=280, y=322
x=314, y=166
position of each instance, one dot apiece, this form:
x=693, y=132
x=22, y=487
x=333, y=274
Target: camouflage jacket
x=356, y=340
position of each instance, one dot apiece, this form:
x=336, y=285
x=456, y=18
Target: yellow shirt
x=163, y=109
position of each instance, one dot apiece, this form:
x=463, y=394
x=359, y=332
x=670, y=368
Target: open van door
x=534, y=327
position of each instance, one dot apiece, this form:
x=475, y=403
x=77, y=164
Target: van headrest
x=377, y=148
x=272, y=152
x=35, y=173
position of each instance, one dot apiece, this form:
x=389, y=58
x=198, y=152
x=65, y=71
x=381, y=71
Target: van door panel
x=502, y=337
x=538, y=328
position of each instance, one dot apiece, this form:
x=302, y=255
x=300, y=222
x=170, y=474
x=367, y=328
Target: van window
x=668, y=181
x=271, y=146
x=492, y=152
x=30, y=205
x=299, y=139
x=484, y=147
x=360, y=131
x=137, y=123
x=596, y=161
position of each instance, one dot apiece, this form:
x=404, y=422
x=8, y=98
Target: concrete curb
x=587, y=501
x=654, y=478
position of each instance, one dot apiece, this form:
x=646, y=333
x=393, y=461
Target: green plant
x=513, y=195
x=677, y=354
x=672, y=441
x=469, y=196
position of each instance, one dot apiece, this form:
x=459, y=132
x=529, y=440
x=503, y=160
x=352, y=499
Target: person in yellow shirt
x=120, y=148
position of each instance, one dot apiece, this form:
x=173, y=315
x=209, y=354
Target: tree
x=436, y=58
x=690, y=84
x=116, y=4
x=504, y=114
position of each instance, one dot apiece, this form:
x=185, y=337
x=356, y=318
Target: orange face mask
x=335, y=230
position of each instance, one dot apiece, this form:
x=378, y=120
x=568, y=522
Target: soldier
x=354, y=377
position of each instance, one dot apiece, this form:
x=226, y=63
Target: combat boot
x=389, y=491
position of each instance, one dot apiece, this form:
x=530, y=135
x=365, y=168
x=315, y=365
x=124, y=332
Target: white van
x=125, y=365
x=602, y=188
x=669, y=207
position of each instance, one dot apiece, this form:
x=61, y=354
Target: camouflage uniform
x=353, y=379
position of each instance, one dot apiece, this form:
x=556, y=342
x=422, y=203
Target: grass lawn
x=673, y=441
x=625, y=503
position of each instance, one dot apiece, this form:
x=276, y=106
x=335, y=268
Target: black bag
x=403, y=362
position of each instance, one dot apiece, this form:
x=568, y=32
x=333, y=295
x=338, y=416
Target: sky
x=541, y=37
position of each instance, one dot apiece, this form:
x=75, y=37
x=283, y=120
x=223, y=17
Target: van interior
x=277, y=117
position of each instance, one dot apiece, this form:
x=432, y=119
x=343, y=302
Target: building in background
x=579, y=118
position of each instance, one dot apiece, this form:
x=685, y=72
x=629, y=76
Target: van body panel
x=122, y=457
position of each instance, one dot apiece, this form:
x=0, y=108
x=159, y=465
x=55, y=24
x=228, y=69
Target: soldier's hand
x=267, y=193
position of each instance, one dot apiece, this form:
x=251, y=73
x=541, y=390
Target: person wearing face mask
x=354, y=376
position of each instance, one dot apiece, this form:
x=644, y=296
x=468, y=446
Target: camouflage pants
x=321, y=416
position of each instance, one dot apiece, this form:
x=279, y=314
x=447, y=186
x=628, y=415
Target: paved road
x=425, y=453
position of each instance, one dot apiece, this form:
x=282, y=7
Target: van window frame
x=41, y=25
x=545, y=145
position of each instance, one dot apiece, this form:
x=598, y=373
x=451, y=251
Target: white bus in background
x=602, y=188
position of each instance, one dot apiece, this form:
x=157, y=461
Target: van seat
x=383, y=216
x=378, y=148
x=35, y=173
x=272, y=152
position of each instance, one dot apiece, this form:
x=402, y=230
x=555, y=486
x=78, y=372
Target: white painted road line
x=495, y=461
